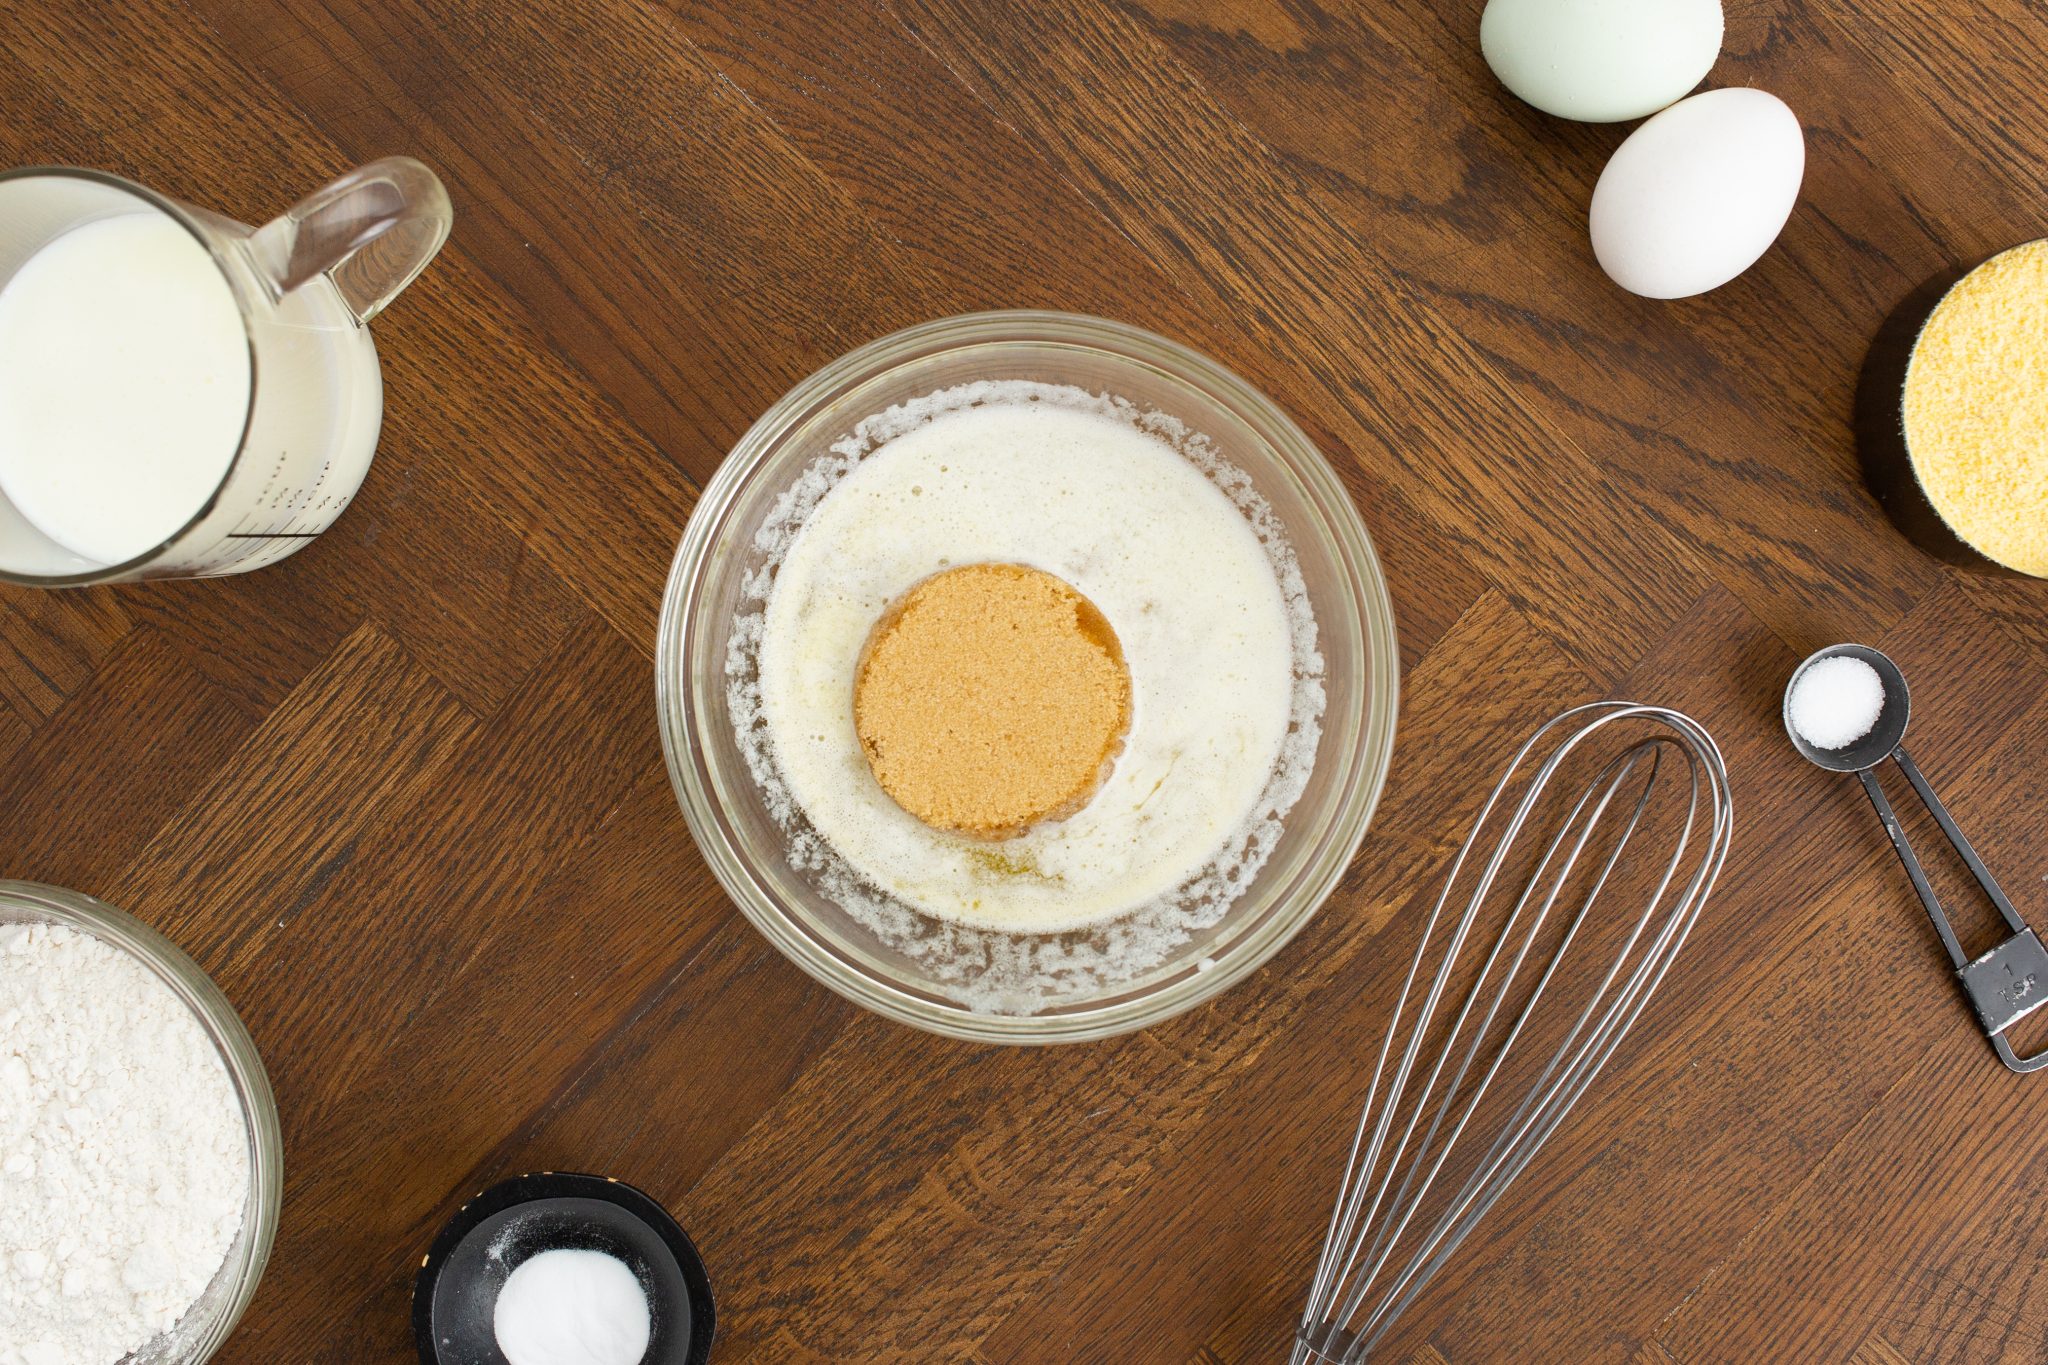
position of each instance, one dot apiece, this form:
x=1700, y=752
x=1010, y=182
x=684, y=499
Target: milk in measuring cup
x=125, y=379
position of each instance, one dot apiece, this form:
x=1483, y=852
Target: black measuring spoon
x=2009, y=982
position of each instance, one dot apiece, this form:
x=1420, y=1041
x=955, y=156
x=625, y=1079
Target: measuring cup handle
x=370, y=231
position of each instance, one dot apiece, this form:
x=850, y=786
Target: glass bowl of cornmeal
x=1027, y=677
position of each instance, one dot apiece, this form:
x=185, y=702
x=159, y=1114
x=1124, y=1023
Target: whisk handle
x=1326, y=1346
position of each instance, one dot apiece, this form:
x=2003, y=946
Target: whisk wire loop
x=1355, y=1297
x=1619, y=771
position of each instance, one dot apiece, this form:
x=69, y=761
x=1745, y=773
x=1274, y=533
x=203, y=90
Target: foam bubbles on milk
x=1066, y=926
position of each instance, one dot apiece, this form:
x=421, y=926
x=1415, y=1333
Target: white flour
x=124, y=1163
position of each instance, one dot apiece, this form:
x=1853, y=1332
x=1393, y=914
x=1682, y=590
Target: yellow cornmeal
x=991, y=697
x=1976, y=408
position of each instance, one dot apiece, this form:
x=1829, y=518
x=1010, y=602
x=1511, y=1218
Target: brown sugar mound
x=991, y=697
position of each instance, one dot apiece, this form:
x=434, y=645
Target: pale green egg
x=1601, y=61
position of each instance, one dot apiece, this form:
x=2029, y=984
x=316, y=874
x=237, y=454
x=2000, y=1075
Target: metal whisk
x=1381, y=1250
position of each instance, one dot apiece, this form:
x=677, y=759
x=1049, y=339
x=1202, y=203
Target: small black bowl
x=1880, y=422
x=456, y=1292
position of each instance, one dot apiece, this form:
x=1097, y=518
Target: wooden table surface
x=403, y=795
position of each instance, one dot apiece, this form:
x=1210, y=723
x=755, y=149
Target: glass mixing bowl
x=718, y=559
x=207, y=1322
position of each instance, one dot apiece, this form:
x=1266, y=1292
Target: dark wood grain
x=402, y=794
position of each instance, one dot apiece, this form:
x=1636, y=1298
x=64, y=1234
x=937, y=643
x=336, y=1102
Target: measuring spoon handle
x=1918, y=874
x=1959, y=841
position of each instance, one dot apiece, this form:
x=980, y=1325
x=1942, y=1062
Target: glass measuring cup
x=305, y=285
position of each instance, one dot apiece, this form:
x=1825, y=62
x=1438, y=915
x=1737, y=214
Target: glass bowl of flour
x=1243, y=590
x=140, y=1155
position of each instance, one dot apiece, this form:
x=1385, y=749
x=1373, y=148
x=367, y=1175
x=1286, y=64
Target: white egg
x=1698, y=193
x=1601, y=61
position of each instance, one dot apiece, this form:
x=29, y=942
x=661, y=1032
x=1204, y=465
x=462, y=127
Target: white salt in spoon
x=2005, y=984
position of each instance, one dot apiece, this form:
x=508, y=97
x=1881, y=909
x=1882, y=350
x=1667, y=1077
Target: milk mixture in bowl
x=1054, y=581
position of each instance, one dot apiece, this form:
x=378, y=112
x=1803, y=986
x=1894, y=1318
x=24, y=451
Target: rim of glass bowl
x=682, y=697
x=21, y=901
